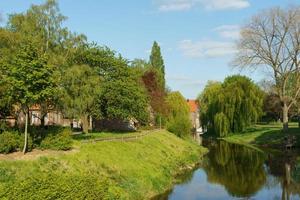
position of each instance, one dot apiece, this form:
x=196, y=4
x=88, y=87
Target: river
x=231, y=171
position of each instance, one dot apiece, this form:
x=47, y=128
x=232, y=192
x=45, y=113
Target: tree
x=81, y=88
x=156, y=94
x=9, y=43
x=178, y=121
x=123, y=98
x=272, y=107
x=231, y=106
x=209, y=104
x=156, y=61
x=272, y=39
x=42, y=26
x=29, y=78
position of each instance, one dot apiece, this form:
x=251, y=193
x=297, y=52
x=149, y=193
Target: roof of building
x=193, y=104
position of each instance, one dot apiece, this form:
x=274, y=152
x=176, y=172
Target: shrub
x=13, y=141
x=60, y=139
x=179, y=125
x=221, y=125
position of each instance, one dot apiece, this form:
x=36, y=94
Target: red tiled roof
x=193, y=104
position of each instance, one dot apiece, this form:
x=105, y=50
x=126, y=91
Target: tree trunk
x=285, y=117
x=85, y=123
x=26, y=133
x=43, y=121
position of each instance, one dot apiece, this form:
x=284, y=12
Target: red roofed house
x=194, y=113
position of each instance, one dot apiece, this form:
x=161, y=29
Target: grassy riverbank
x=104, y=170
x=269, y=135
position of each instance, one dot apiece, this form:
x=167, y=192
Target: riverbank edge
x=268, y=136
x=189, y=168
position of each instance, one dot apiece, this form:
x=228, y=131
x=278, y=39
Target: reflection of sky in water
x=198, y=188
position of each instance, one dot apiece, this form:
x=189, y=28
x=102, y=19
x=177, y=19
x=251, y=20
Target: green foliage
x=157, y=62
x=58, y=186
x=179, y=125
x=124, y=98
x=178, y=118
x=13, y=141
x=238, y=98
x=59, y=140
x=29, y=76
x=221, y=124
x=81, y=88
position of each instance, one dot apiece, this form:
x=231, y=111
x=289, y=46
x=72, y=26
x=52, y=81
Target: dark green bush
x=57, y=139
x=13, y=141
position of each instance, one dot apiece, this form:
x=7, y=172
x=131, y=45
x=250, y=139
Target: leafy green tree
x=8, y=45
x=209, y=104
x=42, y=26
x=81, y=88
x=156, y=60
x=221, y=124
x=231, y=106
x=178, y=121
x=123, y=98
x=29, y=77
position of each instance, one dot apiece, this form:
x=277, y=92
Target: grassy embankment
x=268, y=135
x=103, y=170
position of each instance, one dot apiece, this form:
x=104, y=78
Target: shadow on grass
x=276, y=138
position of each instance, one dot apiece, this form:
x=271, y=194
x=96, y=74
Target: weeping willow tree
x=230, y=106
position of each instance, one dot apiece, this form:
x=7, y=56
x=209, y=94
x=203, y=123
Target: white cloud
x=228, y=31
x=180, y=5
x=175, y=5
x=206, y=48
x=225, y=4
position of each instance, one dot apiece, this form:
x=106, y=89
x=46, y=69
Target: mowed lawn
x=270, y=135
x=136, y=169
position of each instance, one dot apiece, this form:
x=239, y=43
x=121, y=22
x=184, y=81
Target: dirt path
x=34, y=154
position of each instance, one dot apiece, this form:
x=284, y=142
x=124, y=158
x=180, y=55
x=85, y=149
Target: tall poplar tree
x=157, y=62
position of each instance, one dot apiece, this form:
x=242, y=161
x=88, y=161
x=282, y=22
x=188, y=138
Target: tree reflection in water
x=285, y=168
x=239, y=169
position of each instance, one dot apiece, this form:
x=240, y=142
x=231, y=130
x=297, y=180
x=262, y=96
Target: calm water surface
x=233, y=171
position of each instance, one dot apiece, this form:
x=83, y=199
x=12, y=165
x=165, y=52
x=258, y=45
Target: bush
x=221, y=124
x=180, y=126
x=13, y=141
x=60, y=139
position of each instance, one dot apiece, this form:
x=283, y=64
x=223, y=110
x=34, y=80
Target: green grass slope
x=104, y=170
x=269, y=135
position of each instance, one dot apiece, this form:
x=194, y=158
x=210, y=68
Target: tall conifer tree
x=157, y=62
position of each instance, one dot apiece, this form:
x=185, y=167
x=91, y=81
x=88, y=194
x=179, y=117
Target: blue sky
x=196, y=36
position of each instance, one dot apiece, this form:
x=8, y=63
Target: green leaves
x=178, y=121
x=29, y=76
x=157, y=62
x=124, y=98
x=231, y=106
x=81, y=87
